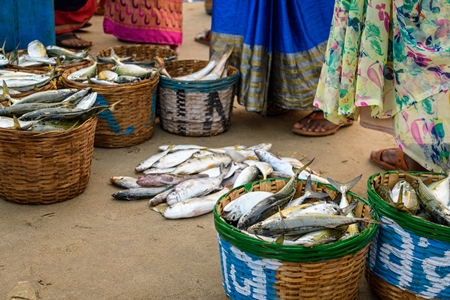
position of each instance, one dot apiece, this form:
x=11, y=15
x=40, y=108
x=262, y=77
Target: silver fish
x=234, y=210
x=219, y=67
x=302, y=224
x=263, y=167
x=146, y=164
x=84, y=73
x=36, y=49
x=249, y=174
x=51, y=96
x=160, y=198
x=195, y=206
x=280, y=165
x=196, y=165
x=165, y=179
x=174, y=158
x=213, y=61
x=174, y=148
x=408, y=198
x=139, y=193
x=150, y=171
x=344, y=188
x=126, y=182
x=437, y=212
x=271, y=204
x=308, y=194
x=196, y=187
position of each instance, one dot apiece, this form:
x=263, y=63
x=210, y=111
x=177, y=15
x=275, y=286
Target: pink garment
x=145, y=21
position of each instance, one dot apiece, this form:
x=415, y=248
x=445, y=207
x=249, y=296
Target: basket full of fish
x=293, y=239
x=409, y=257
x=140, y=54
x=40, y=58
x=132, y=121
x=46, y=145
x=195, y=98
x=20, y=84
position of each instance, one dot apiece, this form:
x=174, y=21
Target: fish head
x=3, y=60
x=230, y=216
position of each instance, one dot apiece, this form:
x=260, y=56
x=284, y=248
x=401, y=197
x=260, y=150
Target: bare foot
x=315, y=122
x=71, y=40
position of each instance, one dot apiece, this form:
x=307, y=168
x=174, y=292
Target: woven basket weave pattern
x=253, y=269
x=141, y=54
x=196, y=108
x=44, y=168
x=132, y=121
x=408, y=258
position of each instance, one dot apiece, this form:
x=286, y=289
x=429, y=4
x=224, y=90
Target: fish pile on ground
x=120, y=73
x=44, y=111
x=429, y=202
x=184, y=181
x=38, y=55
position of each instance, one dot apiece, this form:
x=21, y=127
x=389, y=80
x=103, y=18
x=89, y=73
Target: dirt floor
x=96, y=247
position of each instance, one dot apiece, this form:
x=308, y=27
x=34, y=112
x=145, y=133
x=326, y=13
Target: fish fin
x=344, y=187
x=308, y=186
x=3, y=47
x=346, y=210
x=16, y=123
x=280, y=240
x=298, y=170
x=112, y=106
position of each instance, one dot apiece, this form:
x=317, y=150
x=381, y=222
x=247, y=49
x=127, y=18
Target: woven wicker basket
x=195, y=108
x=44, y=168
x=409, y=257
x=141, y=54
x=43, y=69
x=254, y=269
x=132, y=121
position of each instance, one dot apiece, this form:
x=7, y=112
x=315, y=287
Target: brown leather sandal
x=400, y=163
x=318, y=116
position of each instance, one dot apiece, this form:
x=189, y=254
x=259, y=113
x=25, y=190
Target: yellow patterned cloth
x=394, y=57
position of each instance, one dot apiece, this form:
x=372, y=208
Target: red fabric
x=70, y=21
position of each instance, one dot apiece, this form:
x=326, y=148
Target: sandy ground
x=96, y=247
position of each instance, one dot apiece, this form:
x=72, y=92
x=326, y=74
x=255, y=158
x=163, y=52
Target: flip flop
x=60, y=38
x=204, y=37
x=315, y=116
x=400, y=163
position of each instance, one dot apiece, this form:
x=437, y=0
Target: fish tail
x=344, y=187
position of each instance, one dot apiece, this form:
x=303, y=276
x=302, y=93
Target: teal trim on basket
x=293, y=253
x=199, y=86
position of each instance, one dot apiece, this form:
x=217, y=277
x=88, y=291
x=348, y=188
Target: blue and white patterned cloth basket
x=410, y=262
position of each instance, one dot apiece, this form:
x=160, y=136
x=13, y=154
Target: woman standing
x=279, y=48
x=145, y=21
x=392, y=59
x=71, y=16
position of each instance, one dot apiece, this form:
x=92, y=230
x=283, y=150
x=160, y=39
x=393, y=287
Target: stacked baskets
x=195, y=108
x=254, y=269
x=409, y=257
x=44, y=168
